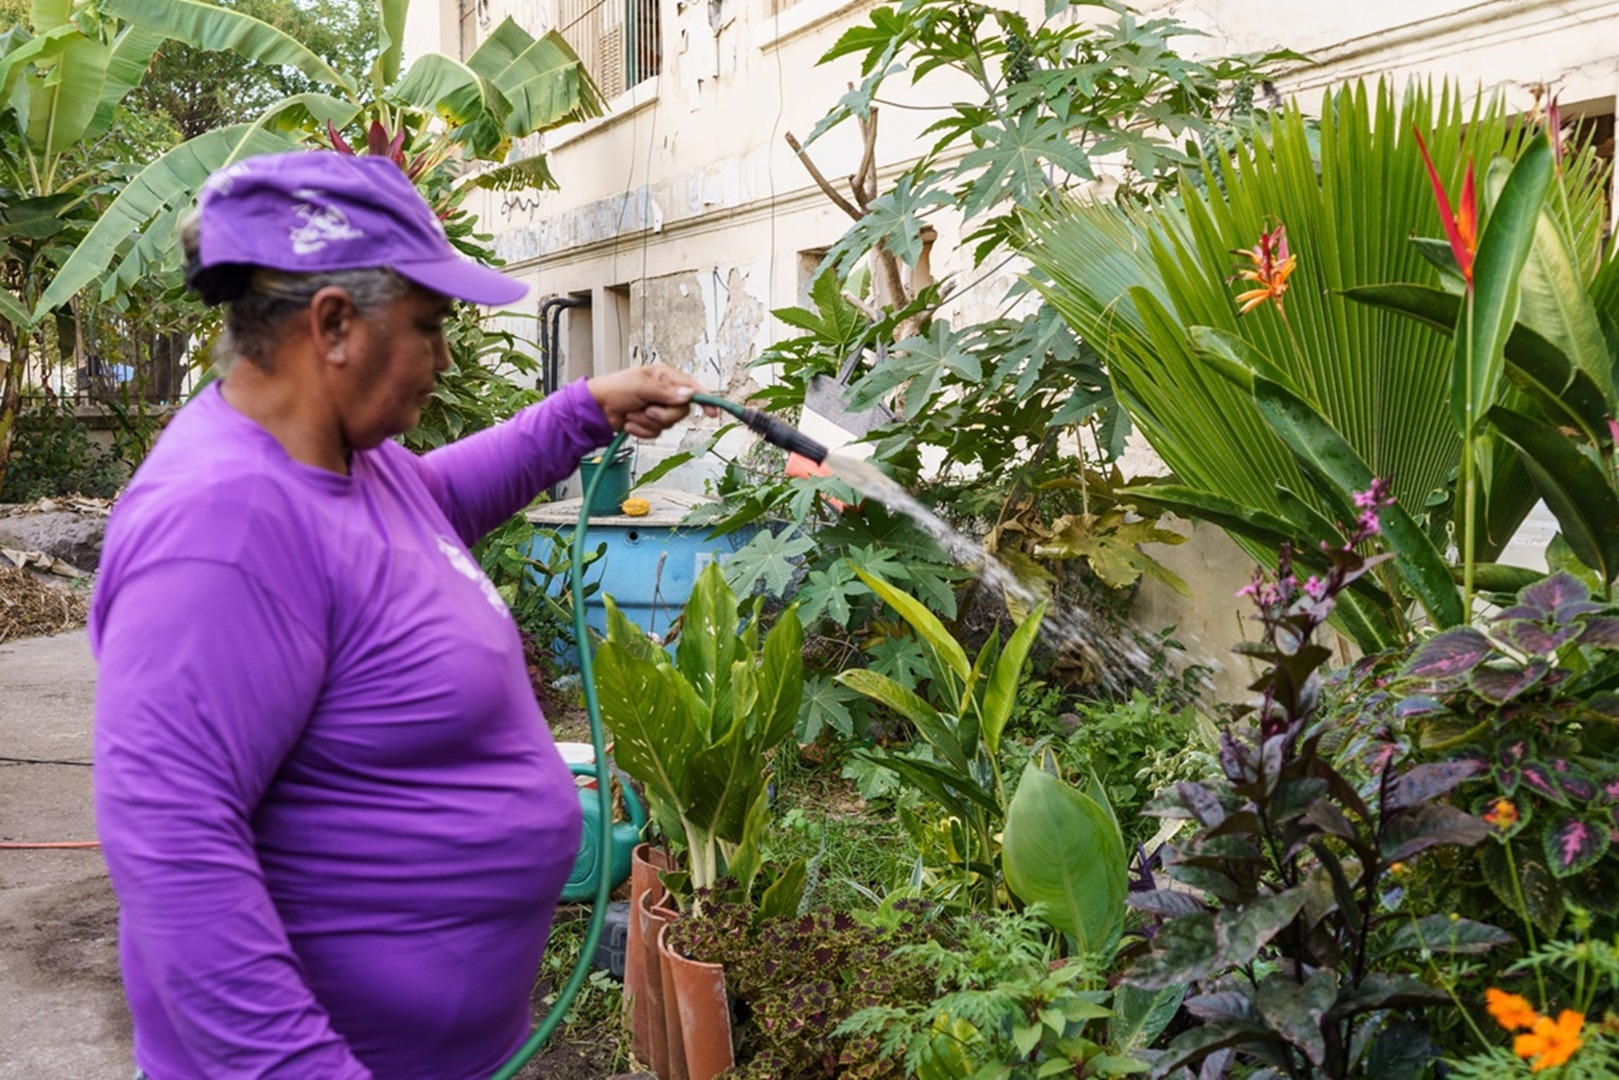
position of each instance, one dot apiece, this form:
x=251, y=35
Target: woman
x=334, y=817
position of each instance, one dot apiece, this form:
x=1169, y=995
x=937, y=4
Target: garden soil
x=62, y=1008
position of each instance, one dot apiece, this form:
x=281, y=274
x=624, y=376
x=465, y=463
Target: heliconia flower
x=1503, y=814
x=1510, y=1011
x=1550, y=1042
x=1461, y=226
x=1272, y=264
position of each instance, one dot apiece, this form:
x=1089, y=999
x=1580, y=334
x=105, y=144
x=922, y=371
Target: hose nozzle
x=767, y=427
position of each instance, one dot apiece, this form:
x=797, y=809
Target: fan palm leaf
x=1351, y=191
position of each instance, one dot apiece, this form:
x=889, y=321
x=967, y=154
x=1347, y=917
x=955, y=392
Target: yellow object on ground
x=635, y=507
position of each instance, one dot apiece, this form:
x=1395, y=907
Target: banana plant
x=438, y=112
x=698, y=730
x=1273, y=406
x=61, y=77
x=962, y=725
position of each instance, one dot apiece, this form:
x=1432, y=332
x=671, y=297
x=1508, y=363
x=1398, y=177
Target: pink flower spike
x=1315, y=588
x=1369, y=525
x=1613, y=429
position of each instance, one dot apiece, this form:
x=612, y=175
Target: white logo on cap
x=322, y=224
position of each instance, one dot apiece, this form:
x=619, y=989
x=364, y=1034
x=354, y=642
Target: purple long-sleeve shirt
x=333, y=814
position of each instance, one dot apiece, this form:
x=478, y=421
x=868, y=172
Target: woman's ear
x=332, y=320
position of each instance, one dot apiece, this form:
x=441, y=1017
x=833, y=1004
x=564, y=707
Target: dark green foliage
x=1296, y=958
x=52, y=455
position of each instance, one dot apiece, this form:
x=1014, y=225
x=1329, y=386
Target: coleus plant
x=1279, y=922
x=1521, y=700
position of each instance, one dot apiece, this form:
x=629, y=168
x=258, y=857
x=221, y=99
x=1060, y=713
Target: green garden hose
x=771, y=430
x=604, y=791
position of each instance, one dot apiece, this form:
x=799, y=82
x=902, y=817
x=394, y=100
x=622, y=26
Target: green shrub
x=52, y=455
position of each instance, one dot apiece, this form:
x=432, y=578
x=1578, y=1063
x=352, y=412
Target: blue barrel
x=651, y=562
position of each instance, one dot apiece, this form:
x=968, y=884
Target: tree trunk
x=11, y=377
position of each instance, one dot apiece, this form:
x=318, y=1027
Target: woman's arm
x=206, y=682
x=482, y=480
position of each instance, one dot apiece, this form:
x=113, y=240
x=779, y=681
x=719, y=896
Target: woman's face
x=394, y=358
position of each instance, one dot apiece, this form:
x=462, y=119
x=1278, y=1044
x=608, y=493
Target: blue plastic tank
x=651, y=562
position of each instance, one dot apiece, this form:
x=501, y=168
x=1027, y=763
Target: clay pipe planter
x=702, y=1012
x=645, y=863
x=653, y=1006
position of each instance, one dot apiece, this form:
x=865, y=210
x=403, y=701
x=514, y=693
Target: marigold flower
x=1503, y=814
x=1272, y=265
x=1461, y=225
x=1551, y=1042
x=1510, y=1011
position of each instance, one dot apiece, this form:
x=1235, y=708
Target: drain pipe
x=551, y=339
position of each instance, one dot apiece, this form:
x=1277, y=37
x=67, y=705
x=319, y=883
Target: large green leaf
x=941, y=644
x=708, y=634
x=169, y=182
x=308, y=112
x=1534, y=365
x=390, y=43
x=540, y=78
x=652, y=739
x=1062, y=851
x=1503, y=249
x=49, y=14
x=1326, y=454
x=69, y=97
x=781, y=681
x=885, y=691
x=1553, y=302
x=1577, y=491
x=439, y=84
x=1000, y=694
x=205, y=26
x=132, y=53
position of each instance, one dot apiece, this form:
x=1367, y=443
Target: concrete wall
x=685, y=218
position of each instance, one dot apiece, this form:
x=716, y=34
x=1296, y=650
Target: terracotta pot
x=653, y=1005
x=703, y=1011
x=645, y=863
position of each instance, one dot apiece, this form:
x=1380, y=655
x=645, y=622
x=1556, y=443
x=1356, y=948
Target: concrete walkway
x=62, y=1010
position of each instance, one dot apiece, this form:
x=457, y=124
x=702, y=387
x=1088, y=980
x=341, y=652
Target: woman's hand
x=646, y=400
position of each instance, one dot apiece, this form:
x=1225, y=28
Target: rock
x=73, y=538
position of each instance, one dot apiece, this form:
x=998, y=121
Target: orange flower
x=1510, y=1011
x=1461, y=227
x=1503, y=814
x=1272, y=266
x=1551, y=1042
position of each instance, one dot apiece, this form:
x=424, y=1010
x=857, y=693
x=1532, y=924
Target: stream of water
x=1118, y=655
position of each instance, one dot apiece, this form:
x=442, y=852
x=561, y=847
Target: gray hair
x=255, y=315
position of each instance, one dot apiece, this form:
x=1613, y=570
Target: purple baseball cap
x=315, y=211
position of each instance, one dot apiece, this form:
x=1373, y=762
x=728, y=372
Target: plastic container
x=615, y=481
x=613, y=946
x=581, y=884
x=651, y=562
